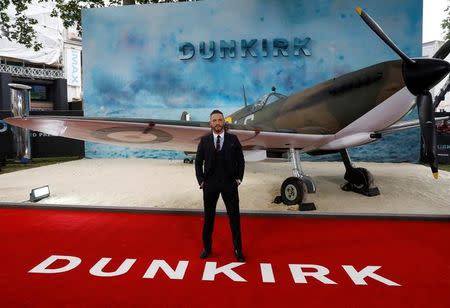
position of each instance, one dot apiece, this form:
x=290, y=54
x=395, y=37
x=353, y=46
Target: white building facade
x=428, y=50
x=59, y=58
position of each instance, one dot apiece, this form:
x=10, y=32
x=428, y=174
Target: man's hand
x=201, y=185
x=238, y=182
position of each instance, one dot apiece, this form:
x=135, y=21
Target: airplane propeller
x=420, y=75
x=442, y=53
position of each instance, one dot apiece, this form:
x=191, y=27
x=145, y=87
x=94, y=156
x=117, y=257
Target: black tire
x=364, y=181
x=293, y=191
x=361, y=178
x=186, y=161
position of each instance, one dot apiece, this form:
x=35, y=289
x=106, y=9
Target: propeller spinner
x=420, y=75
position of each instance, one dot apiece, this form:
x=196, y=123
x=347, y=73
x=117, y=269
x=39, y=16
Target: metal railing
x=31, y=72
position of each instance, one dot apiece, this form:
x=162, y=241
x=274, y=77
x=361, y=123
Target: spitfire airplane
x=351, y=110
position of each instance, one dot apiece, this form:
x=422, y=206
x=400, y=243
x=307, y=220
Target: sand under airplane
x=351, y=110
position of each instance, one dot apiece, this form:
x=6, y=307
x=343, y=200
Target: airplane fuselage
x=331, y=106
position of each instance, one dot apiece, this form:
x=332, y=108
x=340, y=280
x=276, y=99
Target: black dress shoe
x=205, y=253
x=239, y=256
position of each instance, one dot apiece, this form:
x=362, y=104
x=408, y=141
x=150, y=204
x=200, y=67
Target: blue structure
x=155, y=61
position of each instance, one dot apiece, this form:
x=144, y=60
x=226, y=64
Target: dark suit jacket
x=206, y=153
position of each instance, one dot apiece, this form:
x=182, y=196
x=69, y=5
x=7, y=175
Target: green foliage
x=20, y=28
x=445, y=24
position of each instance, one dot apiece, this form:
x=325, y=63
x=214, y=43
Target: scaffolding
x=31, y=72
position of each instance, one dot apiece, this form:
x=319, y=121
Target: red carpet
x=414, y=255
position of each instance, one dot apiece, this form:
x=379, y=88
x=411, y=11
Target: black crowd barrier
x=443, y=139
x=443, y=148
x=6, y=139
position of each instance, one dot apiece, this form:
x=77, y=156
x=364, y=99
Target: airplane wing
x=161, y=134
x=402, y=125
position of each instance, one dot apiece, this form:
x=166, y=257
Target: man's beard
x=218, y=128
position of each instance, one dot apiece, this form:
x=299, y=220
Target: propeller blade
x=428, y=129
x=443, y=51
x=440, y=97
x=420, y=75
x=378, y=31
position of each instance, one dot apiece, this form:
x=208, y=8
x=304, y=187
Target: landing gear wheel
x=293, y=191
x=360, y=180
x=188, y=161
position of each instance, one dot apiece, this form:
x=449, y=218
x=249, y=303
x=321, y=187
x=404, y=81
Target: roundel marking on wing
x=136, y=135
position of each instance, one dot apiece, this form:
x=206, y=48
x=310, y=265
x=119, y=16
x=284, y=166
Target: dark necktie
x=218, y=143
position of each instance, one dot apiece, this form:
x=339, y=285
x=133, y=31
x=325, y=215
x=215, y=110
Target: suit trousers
x=230, y=196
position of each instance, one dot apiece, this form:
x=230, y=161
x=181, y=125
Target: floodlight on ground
x=39, y=193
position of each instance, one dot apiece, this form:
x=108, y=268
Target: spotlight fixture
x=39, y=193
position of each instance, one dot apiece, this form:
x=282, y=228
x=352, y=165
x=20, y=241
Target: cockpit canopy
x=269, y=98
x=248, y=113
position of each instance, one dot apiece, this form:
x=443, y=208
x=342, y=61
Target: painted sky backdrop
x=132, y=67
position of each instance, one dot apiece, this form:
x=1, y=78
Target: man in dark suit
x=219, y=167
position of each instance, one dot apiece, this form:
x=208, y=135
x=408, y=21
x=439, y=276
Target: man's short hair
x=215, y=111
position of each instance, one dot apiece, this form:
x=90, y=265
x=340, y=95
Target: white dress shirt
x=222, y=136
